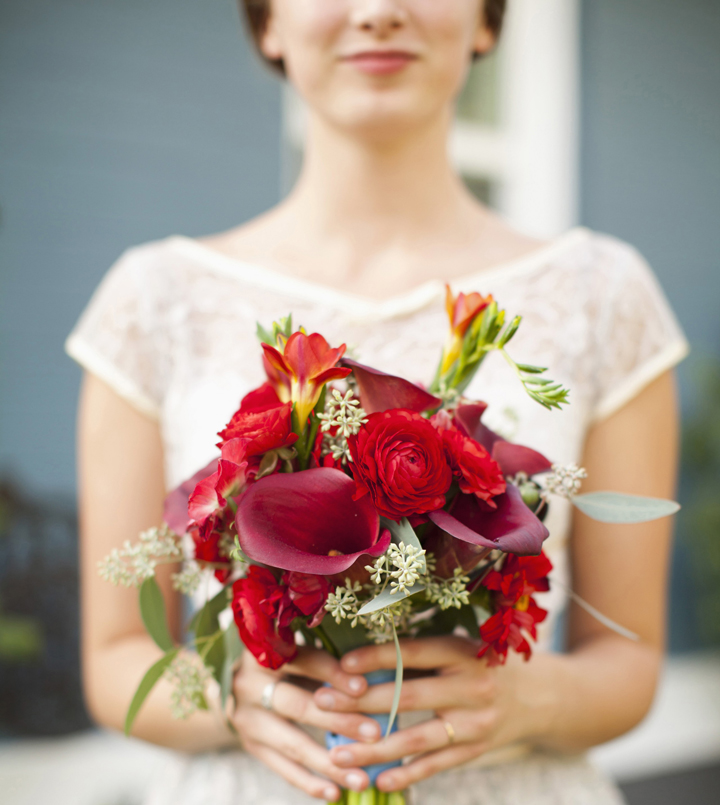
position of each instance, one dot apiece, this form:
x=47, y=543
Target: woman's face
x=379, y=67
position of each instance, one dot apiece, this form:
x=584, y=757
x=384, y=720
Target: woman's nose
x=380, y=17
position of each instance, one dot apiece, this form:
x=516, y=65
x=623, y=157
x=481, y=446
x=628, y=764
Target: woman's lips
x=380, y=62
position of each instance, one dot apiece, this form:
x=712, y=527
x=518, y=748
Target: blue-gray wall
x=120, y=121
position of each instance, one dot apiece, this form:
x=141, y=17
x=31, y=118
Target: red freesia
x=511, y=527
x=479, y=474
x=255, y=606
x=309, y=363
x=504, y=630
x=461, y=311
x=398, y=458
x=262, y=430
x=308, y=522
x=380, y=391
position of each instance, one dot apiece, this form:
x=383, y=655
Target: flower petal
x=380, y=391
x=176, y=503
x=308, y=522
x=511, y=527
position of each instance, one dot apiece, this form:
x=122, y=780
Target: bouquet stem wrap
x=371, y=796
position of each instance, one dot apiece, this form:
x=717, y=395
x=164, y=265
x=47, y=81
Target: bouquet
x=349, y=506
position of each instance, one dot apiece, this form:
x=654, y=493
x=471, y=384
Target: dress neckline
x=404, y=303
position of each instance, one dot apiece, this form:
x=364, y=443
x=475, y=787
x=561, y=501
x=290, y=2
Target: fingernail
x=326, y=700
x=331, y=794
x=344, y=758
x=350, y=662
x=368, y=730
x=354, y=781
x=387, y=783
x=356, y=684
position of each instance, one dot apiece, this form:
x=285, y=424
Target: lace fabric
x=171, y=329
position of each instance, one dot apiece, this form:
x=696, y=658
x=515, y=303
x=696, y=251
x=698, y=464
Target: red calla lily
x=511, y=527
x=380, y=391
x=308, y=522
x=512, y=458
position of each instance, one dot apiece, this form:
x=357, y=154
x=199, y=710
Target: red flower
x=263, y=430
x=520, y=576
x=504, y=630
x=309, y=363
x=398, y=458
x=380, y=391
x=304, y=595
x=260, y=399
x=254, y=607
x=208, y=550
x=479, y=474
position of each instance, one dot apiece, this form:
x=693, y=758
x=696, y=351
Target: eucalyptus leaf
x=213, y=655
x=404, y=532
x=152, y=609
x=233, y=651
x=205, y=620
x=398, y=682
x=148, y=682
x=615, y=507
x=386, y=599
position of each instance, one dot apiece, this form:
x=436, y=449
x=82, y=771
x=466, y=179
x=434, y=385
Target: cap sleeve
x=117, y=335
x=637, y=336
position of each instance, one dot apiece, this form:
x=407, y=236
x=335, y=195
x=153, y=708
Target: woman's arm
x=605, y=684
x=121, y=494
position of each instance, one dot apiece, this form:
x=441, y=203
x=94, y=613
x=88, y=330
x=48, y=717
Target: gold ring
x=450, y=731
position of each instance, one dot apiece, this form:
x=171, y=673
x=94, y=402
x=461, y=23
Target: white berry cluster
x=344, y=603
x=133, y=563
x=189, y=678
x=565, y=481
x=447, y=593
x=344, y=415
x=188, y=579
x=401, y=565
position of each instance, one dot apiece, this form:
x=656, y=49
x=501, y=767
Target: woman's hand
x=272, y=737
x=478, y=708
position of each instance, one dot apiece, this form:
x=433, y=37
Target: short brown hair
x=257, y=12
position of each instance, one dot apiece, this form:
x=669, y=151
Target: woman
x=359, y=251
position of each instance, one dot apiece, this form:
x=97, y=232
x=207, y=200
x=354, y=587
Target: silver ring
x=266, y=699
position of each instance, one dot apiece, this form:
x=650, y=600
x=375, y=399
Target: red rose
x=398, y=458
x=479, y=474
x=254, y=604
x=262, y=430
x=260, y=399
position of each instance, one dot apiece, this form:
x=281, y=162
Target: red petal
x=380, y=391
x=176, y=502
x=293, y=521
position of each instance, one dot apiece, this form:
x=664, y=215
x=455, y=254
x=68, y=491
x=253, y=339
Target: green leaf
x=403, y=532
x=263, y=336
x=233, y=651
x=152, y=609
x=398, y=682
x=531, y=370
x=148, y=682
x=615, y=507
x=386, y=599
x=205, y=621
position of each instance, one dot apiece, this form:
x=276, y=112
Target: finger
x=432, y=652
x=298, y=747
x=427, y=765
x=464, y=726
x=429, y=693
x=298, y=705
x=319, y=665
x=294, y=773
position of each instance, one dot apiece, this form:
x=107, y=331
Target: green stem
x=328, y=644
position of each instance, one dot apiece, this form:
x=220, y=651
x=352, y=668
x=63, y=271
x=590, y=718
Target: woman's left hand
x=478, y=708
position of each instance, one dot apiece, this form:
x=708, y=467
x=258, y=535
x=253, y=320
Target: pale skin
x=379, y=210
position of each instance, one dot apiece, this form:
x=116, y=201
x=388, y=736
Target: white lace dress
x=172, y=330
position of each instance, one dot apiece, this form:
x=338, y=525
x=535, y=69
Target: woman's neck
x=376, y=195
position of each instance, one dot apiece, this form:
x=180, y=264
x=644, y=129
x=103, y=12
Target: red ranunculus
x=262, y=430
x=398, y=458
x=479, y=475
x=255, y=604
x=504, y=630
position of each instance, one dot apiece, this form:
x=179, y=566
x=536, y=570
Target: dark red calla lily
x=511, y=527
x=512, y=458
x=308, y=522
x=380, y=391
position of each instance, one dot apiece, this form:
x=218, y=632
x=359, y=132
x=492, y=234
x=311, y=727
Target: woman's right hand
x=273, y=737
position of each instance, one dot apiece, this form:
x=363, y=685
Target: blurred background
x=123, y=121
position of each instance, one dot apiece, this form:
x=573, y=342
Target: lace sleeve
x=116, y=337
x=637, y=335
